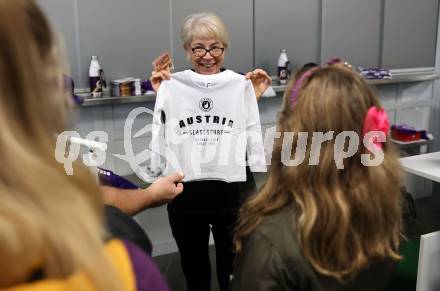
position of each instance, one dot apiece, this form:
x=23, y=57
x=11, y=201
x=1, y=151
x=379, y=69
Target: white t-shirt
x=204, y=126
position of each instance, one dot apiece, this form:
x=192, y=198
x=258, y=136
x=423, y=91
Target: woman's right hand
x=158, y=76
x=161, y=69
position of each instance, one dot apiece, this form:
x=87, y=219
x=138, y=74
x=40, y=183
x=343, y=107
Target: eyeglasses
x=201, y=52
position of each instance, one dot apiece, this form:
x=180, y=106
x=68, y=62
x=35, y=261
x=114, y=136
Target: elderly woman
x=210, y=30
x=210, y=203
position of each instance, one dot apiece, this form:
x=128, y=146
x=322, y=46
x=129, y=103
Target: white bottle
x=95, y=77
x=137, y=87
x=283, y=68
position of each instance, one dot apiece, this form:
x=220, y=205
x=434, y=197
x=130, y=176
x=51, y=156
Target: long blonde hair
x=343, y=219
x=49, y=222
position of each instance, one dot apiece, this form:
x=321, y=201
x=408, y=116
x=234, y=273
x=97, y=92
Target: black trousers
x=191, y=232
x=206, y=206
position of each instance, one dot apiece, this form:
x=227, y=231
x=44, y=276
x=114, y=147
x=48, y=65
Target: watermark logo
x=67, y=150
x=170, y=149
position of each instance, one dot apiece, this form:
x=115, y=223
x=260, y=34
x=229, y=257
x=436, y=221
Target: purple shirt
x=148, y=276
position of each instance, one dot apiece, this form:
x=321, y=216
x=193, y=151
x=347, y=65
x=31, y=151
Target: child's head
x=50, y=222
x=31, y=81
x=344, y=217
x=328, y=98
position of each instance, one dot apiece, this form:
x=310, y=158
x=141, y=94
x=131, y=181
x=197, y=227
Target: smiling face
x=208, y=64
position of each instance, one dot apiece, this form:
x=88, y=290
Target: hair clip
x=298, y=84
x=338, y=61
x=376, y=119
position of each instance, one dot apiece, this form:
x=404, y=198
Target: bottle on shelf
x=283, y=68
x=96, y=78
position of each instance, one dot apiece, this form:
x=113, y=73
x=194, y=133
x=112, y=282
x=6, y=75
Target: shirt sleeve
x=157, y=161
x=254, y=139
x=260, y=268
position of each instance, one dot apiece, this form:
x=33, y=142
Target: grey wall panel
x=62, y=16
x=82, y=121
x=352, y=30
x=388, y=96
x=155, y=222
x=128, y=35
x=137, y=146
x=391, y=116
x=268, y=108
x=238, y=18
x=410, y=33
x=293, y=25
x=415, y=92
x=120, y=117
x=418, y=117
x=125, y=35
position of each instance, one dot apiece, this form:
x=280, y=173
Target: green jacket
x=272, y=260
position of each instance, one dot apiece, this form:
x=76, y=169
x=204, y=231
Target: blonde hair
x=346, y=218
x=203, y=25
x=49, y=222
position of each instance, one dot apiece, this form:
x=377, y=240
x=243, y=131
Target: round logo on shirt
x=205, y=104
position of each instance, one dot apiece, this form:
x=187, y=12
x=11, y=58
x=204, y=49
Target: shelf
x=108, y=100
x=279, y=88
x=405, y=78
x=419, y=142
x=398, y=78
x=409, y=143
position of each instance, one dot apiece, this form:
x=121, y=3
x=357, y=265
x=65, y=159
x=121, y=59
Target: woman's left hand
x=260, y=80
